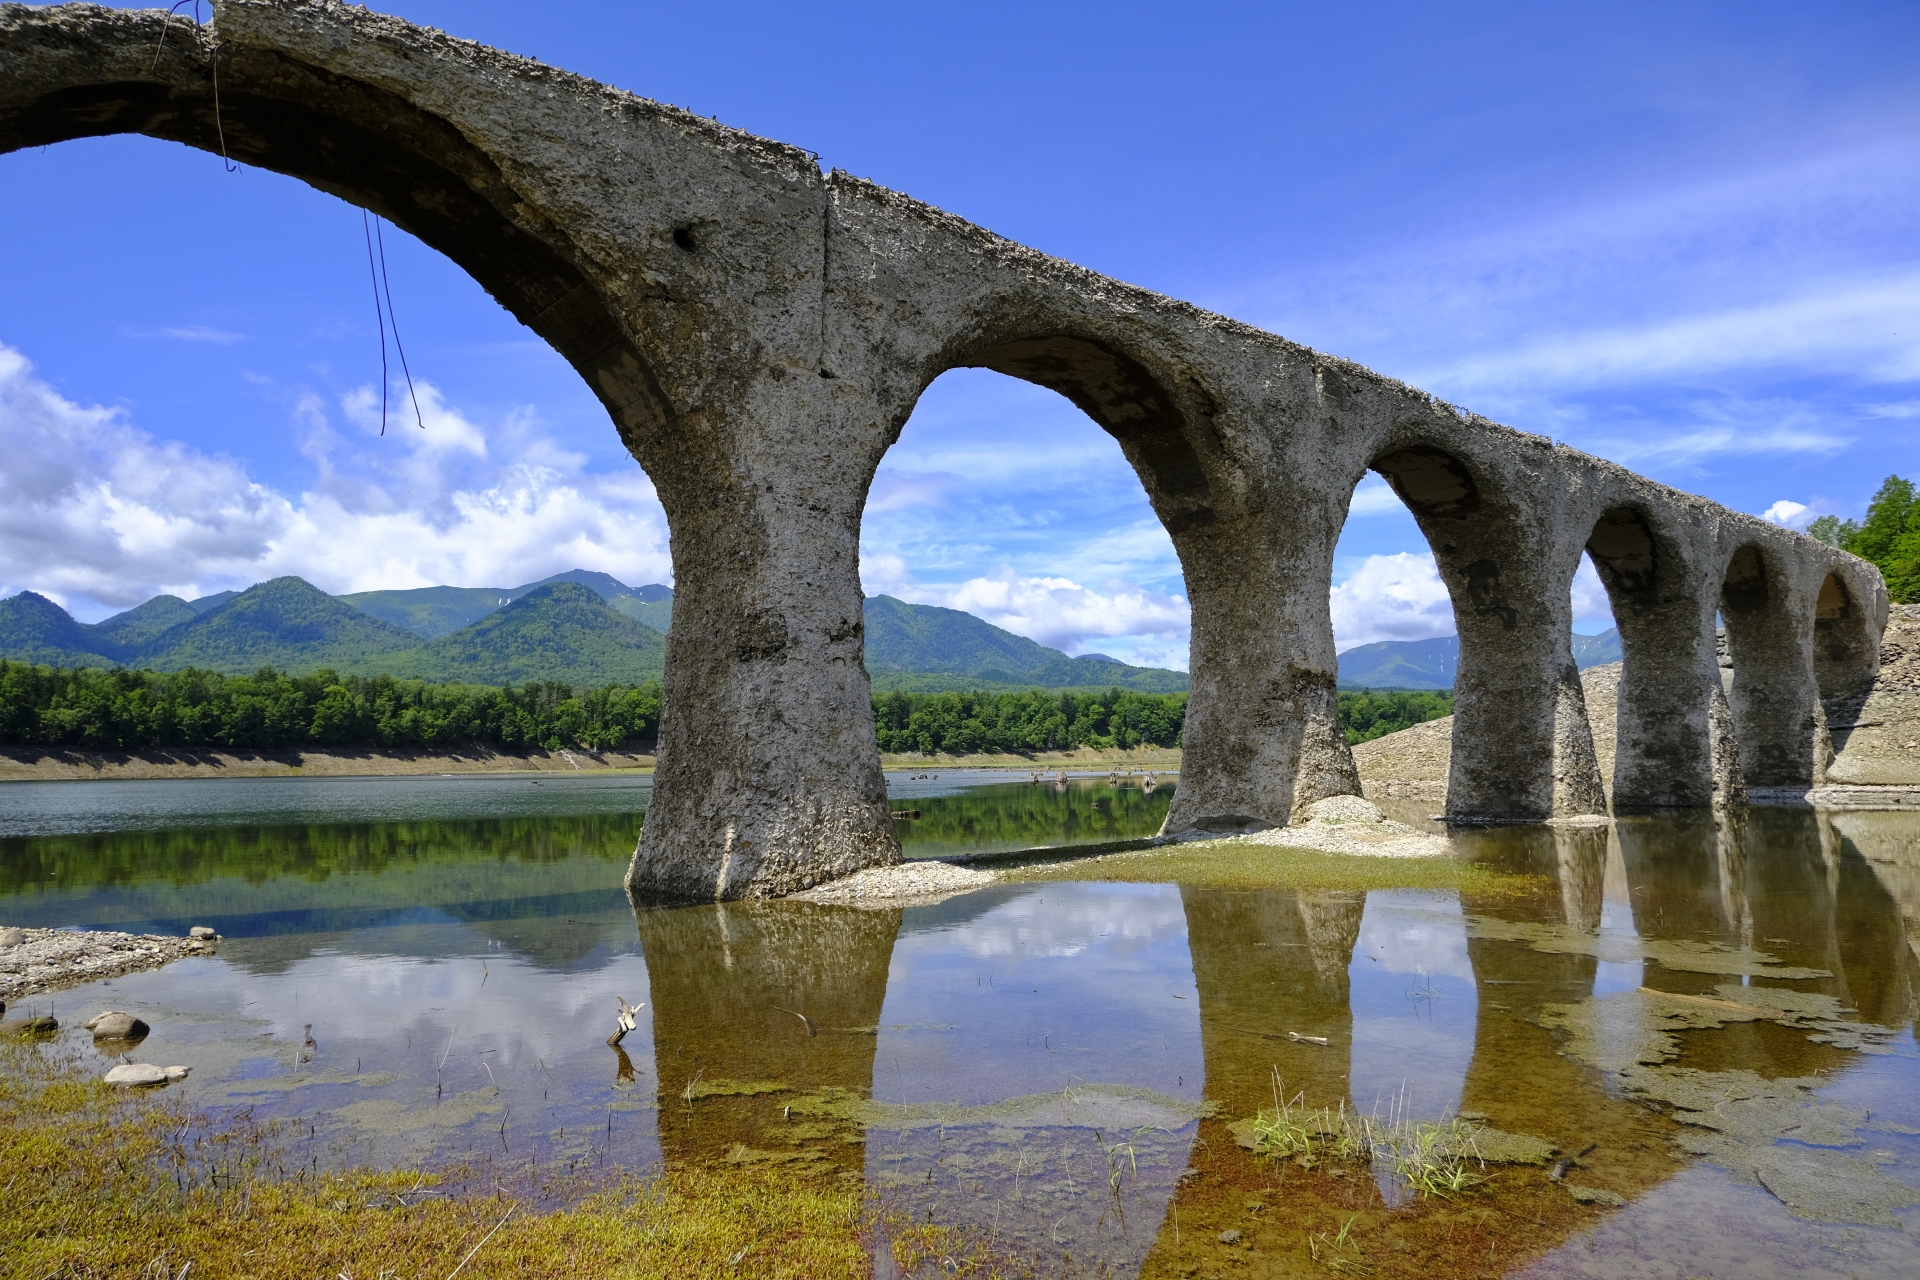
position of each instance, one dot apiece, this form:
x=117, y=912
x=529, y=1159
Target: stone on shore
x=203, y=933
x=115, y=1025
x=135, y=1075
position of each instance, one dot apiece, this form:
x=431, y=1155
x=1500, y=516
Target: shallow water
x=1046, y=1062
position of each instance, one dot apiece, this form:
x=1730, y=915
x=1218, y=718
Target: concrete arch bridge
x=759, y=332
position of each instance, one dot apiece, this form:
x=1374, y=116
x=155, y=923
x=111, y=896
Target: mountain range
x=579, y=627
x=1433, y=664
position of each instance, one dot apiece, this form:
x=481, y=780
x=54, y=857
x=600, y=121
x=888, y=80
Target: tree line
x=1889, y=537
x=127, y=710
x=122, y=710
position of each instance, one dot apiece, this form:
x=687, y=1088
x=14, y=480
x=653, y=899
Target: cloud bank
x=100, y=516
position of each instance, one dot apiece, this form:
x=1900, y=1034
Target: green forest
x=122, y=710
x=1889, y=537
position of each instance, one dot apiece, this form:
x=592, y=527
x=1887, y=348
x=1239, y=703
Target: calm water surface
x=1059, y=1065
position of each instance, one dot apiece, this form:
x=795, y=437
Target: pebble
x=1229, y=1236
x=141, y=1074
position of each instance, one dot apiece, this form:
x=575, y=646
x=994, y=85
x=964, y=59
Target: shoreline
x=57, y=764
x=54, y=764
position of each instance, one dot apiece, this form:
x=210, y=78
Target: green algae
x=384, y=1115
x=1108, y=1107
x=1773, y=1133
x=1680, y=955
x=1596, y=1195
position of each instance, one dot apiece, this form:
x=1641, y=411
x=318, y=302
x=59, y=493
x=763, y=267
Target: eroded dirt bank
x=55, y=764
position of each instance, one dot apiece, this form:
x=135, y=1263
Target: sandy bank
x=1876, y=737
x=56, y=764
x=37, y=960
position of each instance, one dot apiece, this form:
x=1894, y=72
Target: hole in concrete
x=683, y=237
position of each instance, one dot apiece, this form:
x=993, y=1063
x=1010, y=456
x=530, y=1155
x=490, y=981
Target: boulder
x=12, y=938
x=144, y=1074
x=115, y=1025
x=201, y=933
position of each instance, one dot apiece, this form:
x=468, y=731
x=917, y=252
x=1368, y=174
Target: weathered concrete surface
x=759, y=332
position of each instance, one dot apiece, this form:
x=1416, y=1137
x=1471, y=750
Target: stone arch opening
x=1174, y=544
x=1763, y=670
x=1845, y=648
x=1129, y=404
x=1514, y=756
x=1662, y=755
x=359, y=142
x=1002, y=497
x=1395, y=629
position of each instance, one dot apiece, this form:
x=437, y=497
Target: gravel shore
x=37, y=960
x=901, y=883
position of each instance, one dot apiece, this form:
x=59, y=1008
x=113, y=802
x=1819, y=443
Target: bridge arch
x=354, y=139
x=1770, y=692
x=1521, y=749
x=1663, y=758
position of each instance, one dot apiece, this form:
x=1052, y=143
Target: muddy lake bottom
x=1722, y=1012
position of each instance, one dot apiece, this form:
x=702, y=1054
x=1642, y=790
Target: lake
x=1722, y=1012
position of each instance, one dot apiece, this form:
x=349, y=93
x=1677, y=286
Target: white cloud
x=199, y=333
x=1150, y=626
x=1590, y=600
x=1375, y=497
x=1869, y=327
x=1794, y=515
x=100, y=515
x=1396, y=597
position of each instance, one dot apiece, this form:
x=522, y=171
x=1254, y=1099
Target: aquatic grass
x=1240, y=864
x=1426, y=1157
x=102, y=1182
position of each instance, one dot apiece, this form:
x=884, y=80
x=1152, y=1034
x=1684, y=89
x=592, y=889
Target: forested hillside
x=1889, y=537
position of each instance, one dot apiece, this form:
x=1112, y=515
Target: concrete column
x=1520, y=749
x=1262, y=737
x=768, y=779
x=1772, y=697
x=1664, y=753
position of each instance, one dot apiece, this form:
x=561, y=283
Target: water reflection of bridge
x=1832, y=894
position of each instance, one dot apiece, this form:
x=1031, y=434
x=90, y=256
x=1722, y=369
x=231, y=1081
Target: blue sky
x=1683, y=237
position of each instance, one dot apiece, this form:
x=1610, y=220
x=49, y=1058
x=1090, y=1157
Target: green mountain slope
x=1433, y=664
x=286, y=623
x=562, y=631
x=430, y=612
x=657, y=614
x=124, y=632
x=35, y=629
x=924, y=640
x=204, y=604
